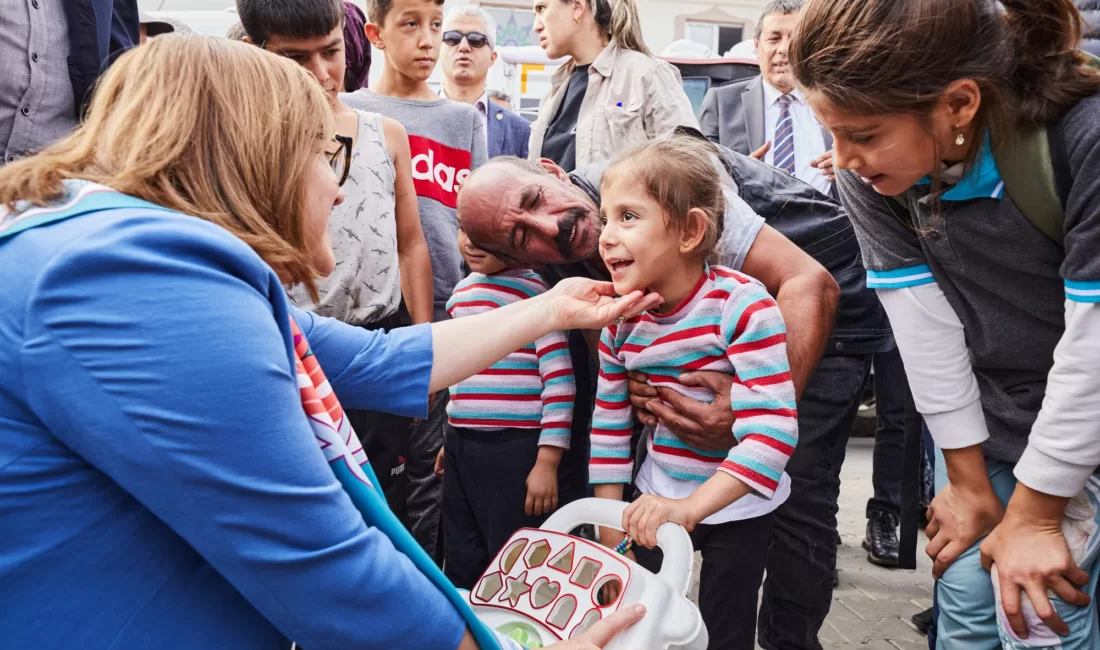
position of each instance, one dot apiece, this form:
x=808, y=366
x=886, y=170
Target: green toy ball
x=522, y=633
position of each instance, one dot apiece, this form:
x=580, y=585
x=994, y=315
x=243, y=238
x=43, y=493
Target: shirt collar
x=482, y=104
x=772, y=94
x=983, y=182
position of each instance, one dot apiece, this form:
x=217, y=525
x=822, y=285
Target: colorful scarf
x=349, y=463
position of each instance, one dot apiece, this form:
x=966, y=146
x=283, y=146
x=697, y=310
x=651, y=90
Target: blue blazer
x=508, y=133
x=99, y=30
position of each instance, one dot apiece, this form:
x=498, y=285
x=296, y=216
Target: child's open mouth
x=618, y=266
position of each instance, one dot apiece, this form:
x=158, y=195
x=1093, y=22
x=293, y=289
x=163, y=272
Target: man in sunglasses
x=469, y=51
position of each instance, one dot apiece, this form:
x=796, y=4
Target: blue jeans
x=798, y=590
x=965, y=595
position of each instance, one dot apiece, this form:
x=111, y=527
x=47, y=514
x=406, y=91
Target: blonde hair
x=206, y=126
x=679, y=173
x=619, y=21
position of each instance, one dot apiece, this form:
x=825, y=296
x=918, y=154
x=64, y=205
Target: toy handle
x=672, y=539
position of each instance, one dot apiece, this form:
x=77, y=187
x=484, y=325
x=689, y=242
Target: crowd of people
x=287, y=358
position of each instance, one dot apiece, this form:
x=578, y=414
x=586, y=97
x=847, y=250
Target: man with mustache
x=806, y=255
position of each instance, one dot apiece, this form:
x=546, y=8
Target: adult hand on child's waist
x=707, y=427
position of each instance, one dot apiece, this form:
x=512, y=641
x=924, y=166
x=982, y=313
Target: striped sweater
x=533, y=387
x=728, y=324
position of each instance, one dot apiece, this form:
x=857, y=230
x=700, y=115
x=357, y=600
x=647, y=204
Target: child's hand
x=542, y=489
x=439, y=463
x=643, y=517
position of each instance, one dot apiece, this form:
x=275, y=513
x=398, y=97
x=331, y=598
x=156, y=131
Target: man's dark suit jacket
x=99, y=30
x=508, y=133
x=733, y=116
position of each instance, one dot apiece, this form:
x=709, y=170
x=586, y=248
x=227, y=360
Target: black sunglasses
x=476, y=40
x=340, y=160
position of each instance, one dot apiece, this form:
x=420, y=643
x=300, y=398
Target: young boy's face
x=478, y=260
x=411, y=34
x=323, y=56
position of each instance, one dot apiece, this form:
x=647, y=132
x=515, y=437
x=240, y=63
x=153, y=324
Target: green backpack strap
x=1027, y=170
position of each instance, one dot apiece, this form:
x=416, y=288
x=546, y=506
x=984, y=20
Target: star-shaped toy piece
x=514, y=588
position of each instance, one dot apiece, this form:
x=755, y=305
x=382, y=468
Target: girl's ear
x=694, y=231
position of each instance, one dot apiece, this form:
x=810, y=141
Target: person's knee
x=965, y=597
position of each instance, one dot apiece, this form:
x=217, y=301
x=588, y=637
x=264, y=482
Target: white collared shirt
x=482, y=106
x=809, y=142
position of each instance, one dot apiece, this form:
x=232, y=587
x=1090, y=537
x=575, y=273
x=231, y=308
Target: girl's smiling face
x=637, y=245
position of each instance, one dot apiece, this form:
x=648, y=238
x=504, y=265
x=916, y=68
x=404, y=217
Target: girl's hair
x=874, y=57
x=209, y=127
x=618, y=21
x=679, y=173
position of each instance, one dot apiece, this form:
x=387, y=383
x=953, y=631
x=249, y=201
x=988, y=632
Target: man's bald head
x=528, y=213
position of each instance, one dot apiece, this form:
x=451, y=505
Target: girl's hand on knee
x=1031, y=555
x=957, y=518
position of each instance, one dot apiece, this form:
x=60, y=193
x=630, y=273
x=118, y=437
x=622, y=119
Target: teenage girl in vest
x=998, y=324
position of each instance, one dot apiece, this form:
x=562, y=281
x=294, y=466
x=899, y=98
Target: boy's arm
x=413, y=257
x=612, y=419
x=558, y=389
x=762, y=395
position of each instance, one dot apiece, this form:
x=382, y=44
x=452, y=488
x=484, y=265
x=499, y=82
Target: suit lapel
x=495, y=131
x=753, y=101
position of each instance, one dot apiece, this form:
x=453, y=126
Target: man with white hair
x=469, y=51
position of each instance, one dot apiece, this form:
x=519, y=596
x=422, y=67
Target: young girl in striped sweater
x=662, y=208
x=507, y=427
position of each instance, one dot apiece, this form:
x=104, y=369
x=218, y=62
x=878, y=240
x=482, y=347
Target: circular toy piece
x=522, y=633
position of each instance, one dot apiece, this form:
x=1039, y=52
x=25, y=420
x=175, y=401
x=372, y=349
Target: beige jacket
x=631, y=97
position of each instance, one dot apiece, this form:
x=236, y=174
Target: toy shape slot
x=537, y=554
x=586, y=572
x=588, y=621
x=489, y=587
x=508, y=560
x=562, y=612
x=607, y=591
x=515, y=588
x=563, y=561
x=543, y=592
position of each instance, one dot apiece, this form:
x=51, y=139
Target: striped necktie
x=784, y=136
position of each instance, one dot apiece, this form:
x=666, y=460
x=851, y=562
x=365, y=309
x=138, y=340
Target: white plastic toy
x=546, y=585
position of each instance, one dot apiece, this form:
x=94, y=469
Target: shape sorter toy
x=546, y=585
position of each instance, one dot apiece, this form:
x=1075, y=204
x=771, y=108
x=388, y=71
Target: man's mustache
x=564, y=239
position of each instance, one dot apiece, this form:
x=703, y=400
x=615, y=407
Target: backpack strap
x=1027, y=169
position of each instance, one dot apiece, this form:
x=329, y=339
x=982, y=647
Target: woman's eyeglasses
x=476, y=40
x=340, y=160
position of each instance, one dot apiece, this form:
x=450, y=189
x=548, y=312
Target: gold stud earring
x=577, y=19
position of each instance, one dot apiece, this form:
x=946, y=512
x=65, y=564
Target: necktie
x=784, y=136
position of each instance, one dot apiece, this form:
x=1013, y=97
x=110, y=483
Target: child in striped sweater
x=507, y=427
x=662, y=209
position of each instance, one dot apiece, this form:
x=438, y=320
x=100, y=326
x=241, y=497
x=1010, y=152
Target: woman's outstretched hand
x=581, y=304
x=600, y=634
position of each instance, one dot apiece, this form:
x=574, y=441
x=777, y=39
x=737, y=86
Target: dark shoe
x=881, y=542
x=923, y=621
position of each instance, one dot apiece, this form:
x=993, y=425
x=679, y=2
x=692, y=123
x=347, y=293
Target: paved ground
x=872, y=606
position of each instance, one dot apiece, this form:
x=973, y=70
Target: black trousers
x=484, y=494
x=383, y=437
x=734, y=556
